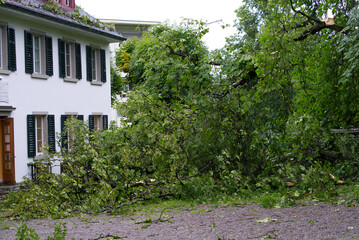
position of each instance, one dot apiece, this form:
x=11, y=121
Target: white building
x=52, y=68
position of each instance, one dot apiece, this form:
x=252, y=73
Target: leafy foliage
x=250, y=117
x=26, y=233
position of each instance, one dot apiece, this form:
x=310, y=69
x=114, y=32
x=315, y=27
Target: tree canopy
x=271, y=96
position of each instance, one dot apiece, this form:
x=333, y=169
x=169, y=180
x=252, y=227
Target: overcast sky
x=162, y=10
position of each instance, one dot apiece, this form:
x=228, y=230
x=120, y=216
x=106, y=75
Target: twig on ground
x=157, y=220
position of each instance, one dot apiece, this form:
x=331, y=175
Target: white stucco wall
x=54, y=95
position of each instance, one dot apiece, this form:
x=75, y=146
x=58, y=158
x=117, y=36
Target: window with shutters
x=40, y=134
x=69, y=60
x=98, y=121
x=66, y=137
x=7, y=49
x=38, y=54
x=96, y=65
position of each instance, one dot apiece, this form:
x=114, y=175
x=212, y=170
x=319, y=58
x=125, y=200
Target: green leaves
x=170, y=61
x=26, y=233
x=349, y=46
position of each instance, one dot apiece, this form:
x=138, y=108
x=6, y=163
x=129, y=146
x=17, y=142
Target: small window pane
x=7, y=138
x=7, y=130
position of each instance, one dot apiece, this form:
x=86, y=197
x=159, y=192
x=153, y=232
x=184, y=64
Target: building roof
x=86, y=22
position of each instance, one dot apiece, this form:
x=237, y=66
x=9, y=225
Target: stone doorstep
x=5, y=188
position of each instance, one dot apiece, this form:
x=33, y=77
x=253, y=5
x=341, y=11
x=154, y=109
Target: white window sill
x=72, y=80
x=5, y=72
x=40, y=76
x=98, y=83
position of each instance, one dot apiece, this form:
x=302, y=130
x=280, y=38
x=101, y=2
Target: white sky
x=162, y=10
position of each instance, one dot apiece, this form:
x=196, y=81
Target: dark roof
x=40, y=8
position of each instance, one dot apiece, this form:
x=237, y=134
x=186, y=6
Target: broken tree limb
x=319, y=24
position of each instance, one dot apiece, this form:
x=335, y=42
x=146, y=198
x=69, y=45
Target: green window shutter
x=105, y=121
x=91, y=122
x=51, y=133
x=11, y=49
x=48, y=52
x=80, y=117
x=31, y=137
x=88, y=63
x=29, y=64
x=64, y=137
x=61, y=47
x=78, y=61
x=103, y=65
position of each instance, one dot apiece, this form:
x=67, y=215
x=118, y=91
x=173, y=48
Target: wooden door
x=8, y=150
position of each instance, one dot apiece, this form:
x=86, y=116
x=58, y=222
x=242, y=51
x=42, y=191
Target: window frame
x=67, y=3
x=96, y=64
x=42, y=58
x=38, y=48
x=44, y=133
x=95, y=56
x=68, y=60
x=70, y=74
x=98, y=121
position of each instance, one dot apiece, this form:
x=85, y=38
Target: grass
x=285, y=197
x=347, y=194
